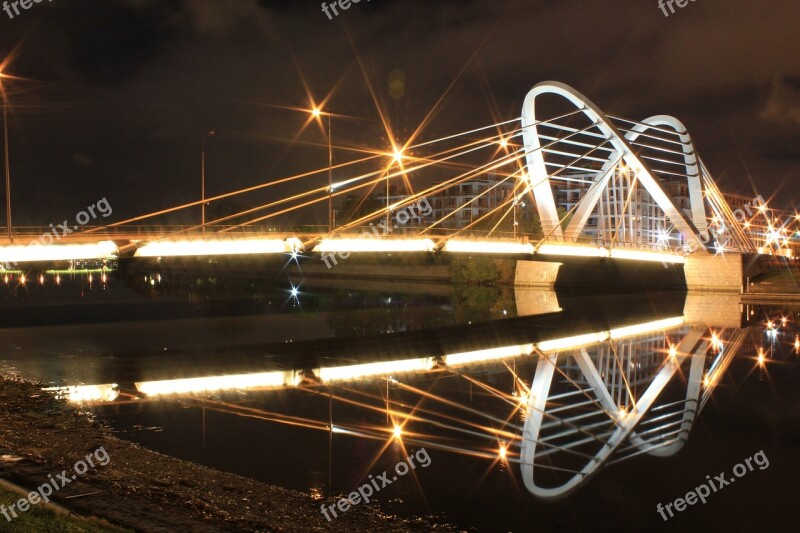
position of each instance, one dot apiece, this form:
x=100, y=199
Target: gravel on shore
x=142, y=490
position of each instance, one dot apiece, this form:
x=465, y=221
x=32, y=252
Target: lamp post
x=7, y=162
x=316, y=113
x=203, y=180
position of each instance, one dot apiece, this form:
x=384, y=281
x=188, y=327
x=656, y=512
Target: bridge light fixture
x=316, y=112
x=397, y=155
x=397, y=431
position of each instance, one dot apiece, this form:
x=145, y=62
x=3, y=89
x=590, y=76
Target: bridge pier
x=714, y=273
x=539, y=274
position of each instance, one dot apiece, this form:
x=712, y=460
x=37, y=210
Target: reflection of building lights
x=797, y=344
x=22, y=279
x=762, y=358
x=502, y=452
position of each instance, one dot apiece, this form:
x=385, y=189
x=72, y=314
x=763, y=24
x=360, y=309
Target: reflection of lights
x=57, y=252
x=216, y=247
x=41, y=279
x=571, y=342
x=218, y=383
x=316, y=112
x=797, y=344
x=487, y=247
x=490, y=354
x=655, y=325
x=397, y=431
x=397, y=155
x=673, y=351
x=87, y=393
x=294, y=291
x=22, y=279
x=58, y=279
x=502, y=452
x=383, y=368
x=522, y=398
x=716, y=343
x=762, y=358
x=375, y=245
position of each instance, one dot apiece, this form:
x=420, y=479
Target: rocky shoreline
x=146, y=491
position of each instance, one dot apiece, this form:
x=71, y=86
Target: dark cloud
x=133, y=85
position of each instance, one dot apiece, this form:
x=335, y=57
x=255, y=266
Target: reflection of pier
x=599, y=395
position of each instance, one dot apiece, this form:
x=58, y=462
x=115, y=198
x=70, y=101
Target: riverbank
x=146, y=491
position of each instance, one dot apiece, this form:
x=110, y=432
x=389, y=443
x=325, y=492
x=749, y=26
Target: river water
x=537, y=410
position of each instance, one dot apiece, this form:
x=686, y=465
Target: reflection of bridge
x=625, y=170
x=597, y=396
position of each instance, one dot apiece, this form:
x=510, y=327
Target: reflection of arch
x=622, y=424
x=538, y=176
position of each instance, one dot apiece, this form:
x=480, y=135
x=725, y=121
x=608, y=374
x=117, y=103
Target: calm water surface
x=517, y=396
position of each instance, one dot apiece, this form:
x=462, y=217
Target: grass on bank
x=39, y=520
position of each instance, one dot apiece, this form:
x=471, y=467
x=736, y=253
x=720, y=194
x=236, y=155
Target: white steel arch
x=539, y=179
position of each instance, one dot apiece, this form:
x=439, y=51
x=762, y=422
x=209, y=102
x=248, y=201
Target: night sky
x=117, y=95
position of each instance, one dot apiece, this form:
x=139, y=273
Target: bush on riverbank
x=478, y=270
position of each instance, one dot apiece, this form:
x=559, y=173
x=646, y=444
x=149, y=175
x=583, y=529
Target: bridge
x=597, y=185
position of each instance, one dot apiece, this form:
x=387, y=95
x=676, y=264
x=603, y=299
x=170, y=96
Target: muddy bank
x=146, y=491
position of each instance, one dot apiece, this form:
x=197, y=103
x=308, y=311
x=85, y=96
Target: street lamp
x=203, y=180
x=7, y=163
